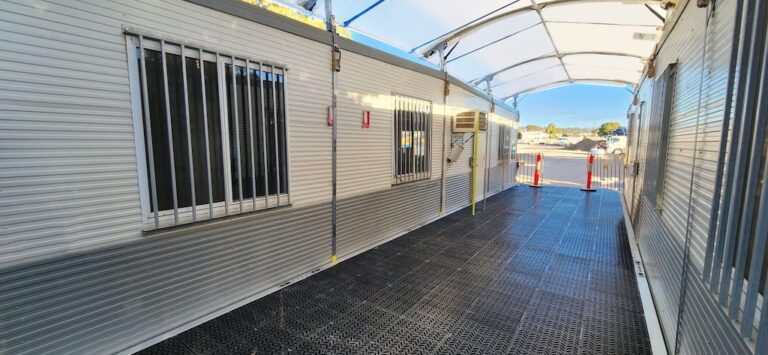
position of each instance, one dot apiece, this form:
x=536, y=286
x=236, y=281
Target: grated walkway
x=544, y=271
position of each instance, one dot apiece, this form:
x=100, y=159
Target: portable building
x=696, y=154
x=166, y=161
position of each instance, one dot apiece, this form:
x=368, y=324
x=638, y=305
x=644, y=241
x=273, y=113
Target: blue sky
x=576, y=105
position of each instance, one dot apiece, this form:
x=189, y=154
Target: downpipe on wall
x=335, y=68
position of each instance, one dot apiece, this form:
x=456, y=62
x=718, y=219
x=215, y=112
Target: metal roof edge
x=267, y=18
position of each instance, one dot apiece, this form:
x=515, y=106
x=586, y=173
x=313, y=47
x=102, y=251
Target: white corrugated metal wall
x=70, y=211
x=695, y=128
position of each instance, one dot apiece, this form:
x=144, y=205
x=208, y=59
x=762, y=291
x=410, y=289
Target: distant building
x=533, y=137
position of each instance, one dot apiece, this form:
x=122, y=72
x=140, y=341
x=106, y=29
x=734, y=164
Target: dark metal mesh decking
x=544, y=271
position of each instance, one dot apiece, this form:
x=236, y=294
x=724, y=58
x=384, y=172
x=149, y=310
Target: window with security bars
x=211, y=132
x=412, y=138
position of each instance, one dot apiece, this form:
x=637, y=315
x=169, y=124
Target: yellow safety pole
x=474, y=159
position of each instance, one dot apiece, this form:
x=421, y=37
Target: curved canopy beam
x=465, y=30
x=490, y=76
x=566, y=82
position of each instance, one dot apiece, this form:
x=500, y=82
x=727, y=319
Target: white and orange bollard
x=590, y=164
x=538, y=173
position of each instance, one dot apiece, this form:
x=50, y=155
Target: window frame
x=137, y=40
x=426, y=123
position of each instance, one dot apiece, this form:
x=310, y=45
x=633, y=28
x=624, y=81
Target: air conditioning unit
x=464, y=122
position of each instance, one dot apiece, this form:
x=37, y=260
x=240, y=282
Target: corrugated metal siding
x=371, y=219
x=77, y=275
x=685, y=46
x=66, y=135
x=705, y=329
x=108, y=300
x=663, y=258
x=365, y=155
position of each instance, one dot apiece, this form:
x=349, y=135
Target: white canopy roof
x=518, y=46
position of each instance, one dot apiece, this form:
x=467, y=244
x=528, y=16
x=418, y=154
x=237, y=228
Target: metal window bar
x=411, y=155
x=420, y=127
x=277, y=136
x=223, y=114
x=189, y=133
x=430, y=121
x=746, y=53
x=170, y=134
x=235, y=118
x=753, y=180
x=729, y=120
x=399, y=143
x=148, y=131
x=417, y=142
x=205, y=129
x=428, y=142
x=250, y=131
x=198, y=52
x=738, y=197
x=395, y=141
x=284, y=122
x=263, y=121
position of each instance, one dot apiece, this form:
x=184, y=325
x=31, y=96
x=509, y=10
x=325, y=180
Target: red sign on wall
x=366, y=119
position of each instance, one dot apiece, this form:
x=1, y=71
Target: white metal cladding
x=73, y=258
x=79, y=119
x=663, y=259
x=376, y=217
x=108, y=300
x=661, y=235
x=366, y=154
x=686, y=48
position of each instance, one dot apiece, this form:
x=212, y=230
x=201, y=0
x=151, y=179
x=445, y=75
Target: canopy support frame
x=537, y=8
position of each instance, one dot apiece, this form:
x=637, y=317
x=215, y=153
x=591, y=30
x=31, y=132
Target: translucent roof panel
x=523, y=71
x=524, y=46
x=605, y=38
x=532, y=81
x=600, y=12
x=519, y=45
x=495, y=33
x=604, y=67
x=409, y=23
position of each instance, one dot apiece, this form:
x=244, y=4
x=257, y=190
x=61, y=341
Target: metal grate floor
x=540, y=271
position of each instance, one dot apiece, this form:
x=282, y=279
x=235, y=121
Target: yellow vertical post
x=474, y=159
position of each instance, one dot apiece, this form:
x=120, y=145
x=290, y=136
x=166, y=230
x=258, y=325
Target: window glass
x=239, y=126
x=258, y=130
x=412, y=119
x=269, y=97
x=230, y=110
x=159, y=131
x=215, y=144
x=281, y=132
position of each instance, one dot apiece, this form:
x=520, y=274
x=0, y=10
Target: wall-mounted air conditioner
x=464, y=122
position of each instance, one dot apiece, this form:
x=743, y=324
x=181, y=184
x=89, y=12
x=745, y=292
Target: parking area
x=539, y=271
